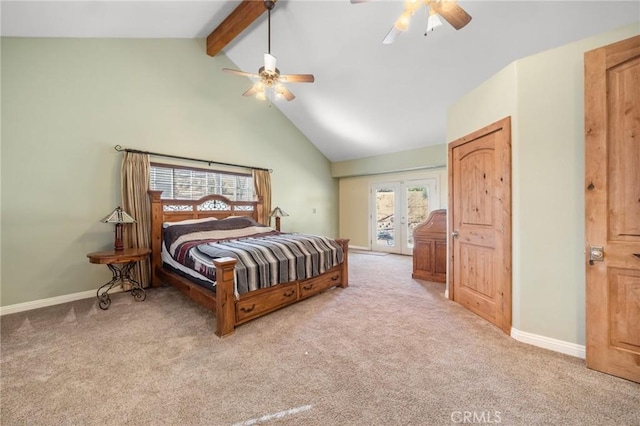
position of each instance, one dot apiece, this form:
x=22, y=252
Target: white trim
x=27, y=306
x=359, y=248
x=556, y=345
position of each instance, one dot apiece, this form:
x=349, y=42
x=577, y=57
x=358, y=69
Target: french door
x=397, y=208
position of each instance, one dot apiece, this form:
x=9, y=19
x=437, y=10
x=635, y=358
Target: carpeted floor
x=388, y=350
x=369, y=252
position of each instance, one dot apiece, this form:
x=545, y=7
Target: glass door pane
x=385, y=205
x=417, y=202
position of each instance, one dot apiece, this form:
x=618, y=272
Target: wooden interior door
x=612, y=196
x=480, y=222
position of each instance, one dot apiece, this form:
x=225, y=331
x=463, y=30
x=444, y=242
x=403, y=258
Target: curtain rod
x=209, y=162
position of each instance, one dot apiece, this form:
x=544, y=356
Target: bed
x=234, y=301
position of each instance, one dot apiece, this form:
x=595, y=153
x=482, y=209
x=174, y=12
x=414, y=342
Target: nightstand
x=120, y=263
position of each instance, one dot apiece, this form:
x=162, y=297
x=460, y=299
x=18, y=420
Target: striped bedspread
x=265, y=258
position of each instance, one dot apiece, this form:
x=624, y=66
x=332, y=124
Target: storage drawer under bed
x=278, y=297
x=316, y=285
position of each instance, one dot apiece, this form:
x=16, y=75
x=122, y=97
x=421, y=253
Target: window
x=186, y=183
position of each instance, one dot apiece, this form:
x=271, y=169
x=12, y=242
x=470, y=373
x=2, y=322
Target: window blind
x=186, y=183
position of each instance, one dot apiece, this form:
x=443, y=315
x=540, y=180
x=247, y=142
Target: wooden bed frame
x=230, y=312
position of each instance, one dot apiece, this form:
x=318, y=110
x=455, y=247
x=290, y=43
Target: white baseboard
x=556, y=345
x=359, y=248
x=27, y=306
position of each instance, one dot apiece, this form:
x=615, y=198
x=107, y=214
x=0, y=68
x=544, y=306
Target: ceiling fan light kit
x=433, y=22
x=412, y=5
x=269, y=82
x=449, y=10
x=402, y=23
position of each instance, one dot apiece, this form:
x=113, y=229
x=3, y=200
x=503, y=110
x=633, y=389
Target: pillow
x=188, y=221
x=235, y=222
x=226, y=229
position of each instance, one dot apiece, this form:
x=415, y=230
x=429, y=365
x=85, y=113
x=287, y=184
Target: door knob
x=596, y=254
x=454, y=234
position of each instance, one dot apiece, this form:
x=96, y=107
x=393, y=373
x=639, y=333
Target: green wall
x=433, y=156
x=544, y=94
x=67, y=102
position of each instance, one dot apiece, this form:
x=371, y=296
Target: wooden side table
x=120, y=263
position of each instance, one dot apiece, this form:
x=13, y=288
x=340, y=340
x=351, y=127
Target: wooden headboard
x=166, y=210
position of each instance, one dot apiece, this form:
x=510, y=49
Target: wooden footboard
x=231, y=312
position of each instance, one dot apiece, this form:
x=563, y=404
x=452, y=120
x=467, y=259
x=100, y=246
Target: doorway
x=397, y=207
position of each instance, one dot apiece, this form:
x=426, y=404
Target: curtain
x=134, y=177
x=262, y=182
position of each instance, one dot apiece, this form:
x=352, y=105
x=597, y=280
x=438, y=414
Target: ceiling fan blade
x=452, y=13
x=251, y=91
x=391, y=35
x=269, y=63
x=297, y=78
x=286, y=93
x=238, y=72
x=401, y=24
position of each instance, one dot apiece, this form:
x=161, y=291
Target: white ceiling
x=368, y=98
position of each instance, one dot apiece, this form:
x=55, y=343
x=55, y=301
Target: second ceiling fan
x=449, y=10
x=269, y=83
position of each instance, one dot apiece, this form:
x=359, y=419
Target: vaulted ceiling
x=368, y=98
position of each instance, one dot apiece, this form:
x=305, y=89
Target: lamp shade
x=118, y=216
x=434, y=21
x=278, y=212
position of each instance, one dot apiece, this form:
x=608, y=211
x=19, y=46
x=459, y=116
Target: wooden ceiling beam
x=243, y=16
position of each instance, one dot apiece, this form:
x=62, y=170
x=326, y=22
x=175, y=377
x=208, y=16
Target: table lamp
x=119, y=217
x=278, y=213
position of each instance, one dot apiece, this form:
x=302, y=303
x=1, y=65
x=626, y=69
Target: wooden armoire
x=430, y=248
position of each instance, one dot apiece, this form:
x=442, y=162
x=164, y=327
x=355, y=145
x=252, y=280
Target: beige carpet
x=388, y=350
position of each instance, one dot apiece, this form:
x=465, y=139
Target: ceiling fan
x=269, y=81
x=448, y=9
